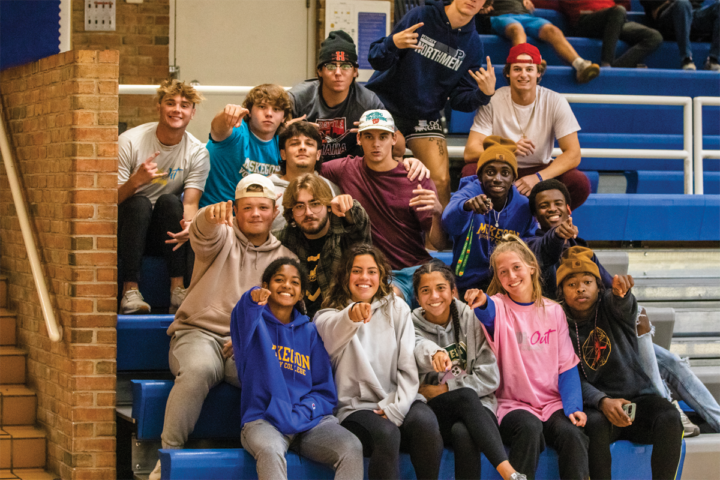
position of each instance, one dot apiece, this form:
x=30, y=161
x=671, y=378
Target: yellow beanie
x=497, y=148
x=576, y=260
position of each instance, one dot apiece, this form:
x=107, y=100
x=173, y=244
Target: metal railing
x=700, y=154
x=54, y=330
x=686, y=154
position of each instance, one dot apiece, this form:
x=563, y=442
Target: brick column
x=63, y=113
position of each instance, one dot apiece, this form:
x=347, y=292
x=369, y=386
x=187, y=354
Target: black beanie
x=337, y=47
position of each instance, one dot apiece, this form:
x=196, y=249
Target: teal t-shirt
x=236, y=157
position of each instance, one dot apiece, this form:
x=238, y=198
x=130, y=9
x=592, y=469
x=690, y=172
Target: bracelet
x=538, y=175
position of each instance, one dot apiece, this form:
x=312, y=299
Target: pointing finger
x=415, y=27
x=489, y=63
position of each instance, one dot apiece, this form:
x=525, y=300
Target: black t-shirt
x=504, y=7
x=335, y=123
x=313, y=295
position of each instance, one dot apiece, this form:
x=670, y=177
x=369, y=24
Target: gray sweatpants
x=326, y=443
x=197, y=362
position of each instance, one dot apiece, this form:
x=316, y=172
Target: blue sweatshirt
x=514, y=218
x=284, y=370
x=417, y=83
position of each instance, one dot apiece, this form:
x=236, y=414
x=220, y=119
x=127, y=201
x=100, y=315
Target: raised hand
x=233, y=115
x=485, y=78
x=480, y=204
x=361, y=312
x=621, y=284
x=566, y=229
x=441, y=361
x=612, y=408
x=341, y=204
x=260, y=295
x=408, y=38
x=147, y=171
x=425, y=199
x=416, y=169
x=220, y=213
x=525, y=148
x=475, y=298
x=578, y=419
x=181, y=237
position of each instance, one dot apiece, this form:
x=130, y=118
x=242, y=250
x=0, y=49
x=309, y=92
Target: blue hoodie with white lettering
x=284, y=369
x=417, y=83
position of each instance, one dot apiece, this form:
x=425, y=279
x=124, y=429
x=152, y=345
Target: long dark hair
x=447, y=273
x=276, y=265
x=339, y=294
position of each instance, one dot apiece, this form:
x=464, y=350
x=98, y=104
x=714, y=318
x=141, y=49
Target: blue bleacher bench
x=143, y=343
x=643, y=181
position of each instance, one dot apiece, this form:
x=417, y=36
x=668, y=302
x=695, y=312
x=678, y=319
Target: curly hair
x=276, y=265
x=513, y=243
x=339, y=294
x=176, y=87
x=272, y=94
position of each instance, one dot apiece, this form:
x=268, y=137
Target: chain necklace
x=517, y=118
x=496, y=214
x=577, y=336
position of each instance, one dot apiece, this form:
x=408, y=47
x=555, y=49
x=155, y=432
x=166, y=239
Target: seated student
x=402, y=212
x=549, y=204
x=680, y=19
x=299, y=153
x=533, y=117
x=334, y=100
x=157, y=162
x=514, y=20
x=602, y=329
x=287, y=400
x=486, y=207
x=319, y=229
x=369, y=335
x=243, y=140
x=230, y=258
x=607, y=19
x=539, y=397
x=459, y=378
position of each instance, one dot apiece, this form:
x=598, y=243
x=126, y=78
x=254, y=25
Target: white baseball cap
x=377, y=120
x=268, y=190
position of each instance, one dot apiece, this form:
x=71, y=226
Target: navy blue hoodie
x=284, y=370
x=514, y=218
x=416, y=83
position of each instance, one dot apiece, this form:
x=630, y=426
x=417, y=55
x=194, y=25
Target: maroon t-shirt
x=397, y=228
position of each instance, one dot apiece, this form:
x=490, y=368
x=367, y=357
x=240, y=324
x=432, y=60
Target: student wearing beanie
x=334, y=100
x=602, y=329
x=485, y=207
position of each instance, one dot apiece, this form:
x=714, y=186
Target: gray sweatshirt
x=373, y=363
x=481, y=371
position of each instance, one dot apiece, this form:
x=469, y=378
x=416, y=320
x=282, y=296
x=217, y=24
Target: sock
x=578, y=63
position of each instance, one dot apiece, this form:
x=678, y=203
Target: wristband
x=538, y=175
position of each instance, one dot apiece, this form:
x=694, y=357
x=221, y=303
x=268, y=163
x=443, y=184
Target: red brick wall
x=63, y=113
x=142, y=38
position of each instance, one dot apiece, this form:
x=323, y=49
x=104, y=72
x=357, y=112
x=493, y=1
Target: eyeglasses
x=331, y=67
x=299, y=209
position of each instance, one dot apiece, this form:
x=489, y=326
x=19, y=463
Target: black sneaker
x=687, y=64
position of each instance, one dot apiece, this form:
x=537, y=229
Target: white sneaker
x=176, y=298
x=133, y=302
x=156, y=473
x=587, y=72
x=518, y=476
x=691, y=430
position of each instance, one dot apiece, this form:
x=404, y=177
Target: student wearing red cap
x=533, y=117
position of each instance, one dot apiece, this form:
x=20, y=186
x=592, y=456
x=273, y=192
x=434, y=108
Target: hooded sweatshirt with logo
x=284, y=368
x=475, y=247
x=373, y=363
x=227, y=265
x=417, y=83
x=480, y=370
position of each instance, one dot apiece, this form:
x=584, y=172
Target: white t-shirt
x=553, y=119
x=187, y=164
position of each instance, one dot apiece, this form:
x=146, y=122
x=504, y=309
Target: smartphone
x=629, y=409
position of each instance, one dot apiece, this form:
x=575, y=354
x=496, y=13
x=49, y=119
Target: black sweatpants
x=382, y=441
x=143, y=229
x=470, y=429
x=527, y=436
x=657, y=423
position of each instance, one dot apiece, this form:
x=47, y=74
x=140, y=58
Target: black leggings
x=657, y=422
x=419, y=435
x=470, y=428
x=527, y=436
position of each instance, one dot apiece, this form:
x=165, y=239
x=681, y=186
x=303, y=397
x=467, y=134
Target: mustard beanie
x=576, y=260
x=500, y=149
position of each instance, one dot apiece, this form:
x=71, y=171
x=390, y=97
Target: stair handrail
x=54, y=330
x=700, y=153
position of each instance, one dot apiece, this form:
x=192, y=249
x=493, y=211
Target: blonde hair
x=513, y=243
x=272, y=94
x=310, y=182
x=176, y=87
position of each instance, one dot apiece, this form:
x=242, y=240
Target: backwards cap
x=268, y=190
x=524, y=49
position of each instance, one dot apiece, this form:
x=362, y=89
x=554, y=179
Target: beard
x=317, y=230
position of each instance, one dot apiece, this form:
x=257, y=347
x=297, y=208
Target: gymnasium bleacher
x=634, y=200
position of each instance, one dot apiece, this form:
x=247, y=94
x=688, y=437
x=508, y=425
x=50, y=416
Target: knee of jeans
x=668, y=424
x=168, y=202
x=140, y=206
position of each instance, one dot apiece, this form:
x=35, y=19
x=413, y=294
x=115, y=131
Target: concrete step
x=672, y=262
x=3, y=291
x=27, y=474
x=8, y=323
x=676, y=289
x=696, y=347
x=19, y=405
x=702, y=457
x=22, y=447
x=12, y=365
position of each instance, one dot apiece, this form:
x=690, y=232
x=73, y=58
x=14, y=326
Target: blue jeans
x=681, y=19
x=679, y=377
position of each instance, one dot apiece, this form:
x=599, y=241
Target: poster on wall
x=364, y=20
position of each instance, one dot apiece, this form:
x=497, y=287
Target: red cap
x=524, y=49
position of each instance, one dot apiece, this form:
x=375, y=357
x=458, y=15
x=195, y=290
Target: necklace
x=517, y=119
x=496, y=215
x=577, y=336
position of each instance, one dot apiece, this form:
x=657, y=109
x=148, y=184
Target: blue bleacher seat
x=142, y=342
x=644, y=181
